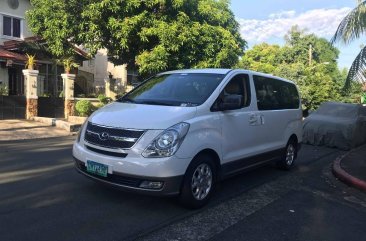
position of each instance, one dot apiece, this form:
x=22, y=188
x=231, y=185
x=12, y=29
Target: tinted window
x=16, y=27
x=275, y=94
x=7, y=26
x=185, y=89
x=238, y=85
x=11, y=26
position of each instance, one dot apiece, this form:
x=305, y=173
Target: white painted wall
x=19, y=13
x=24, y=5
x=101, y=67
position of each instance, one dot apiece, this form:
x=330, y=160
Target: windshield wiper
x=155, y=102
x=146, y=102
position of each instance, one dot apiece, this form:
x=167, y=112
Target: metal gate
x=51, y=107
x=12, y=107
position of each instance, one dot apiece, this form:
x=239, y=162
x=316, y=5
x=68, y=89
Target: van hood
x=140, y=116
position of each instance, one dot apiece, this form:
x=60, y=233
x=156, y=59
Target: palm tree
x=351, y=28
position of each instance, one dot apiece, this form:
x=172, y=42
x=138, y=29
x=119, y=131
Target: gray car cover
x=337, y=125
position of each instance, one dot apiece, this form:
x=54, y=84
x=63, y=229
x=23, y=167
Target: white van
x=180, y=132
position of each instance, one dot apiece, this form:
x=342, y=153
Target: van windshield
x=181, y=89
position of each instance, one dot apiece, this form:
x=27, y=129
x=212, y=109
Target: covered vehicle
x=337, y=125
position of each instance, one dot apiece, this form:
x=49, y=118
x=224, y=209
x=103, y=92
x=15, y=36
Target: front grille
x=121, y=180
x=108, y=153
x=111, y=137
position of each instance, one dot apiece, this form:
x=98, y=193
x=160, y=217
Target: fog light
x=151, y=185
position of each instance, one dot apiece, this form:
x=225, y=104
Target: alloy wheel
x=290, y=154
x=201, y=183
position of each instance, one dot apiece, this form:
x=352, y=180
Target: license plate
x=97, y=168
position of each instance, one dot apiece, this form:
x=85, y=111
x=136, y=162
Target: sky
x=269, y=21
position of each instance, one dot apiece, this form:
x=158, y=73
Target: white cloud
x=283, y=14
x=322, y=22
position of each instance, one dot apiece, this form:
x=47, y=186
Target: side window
x=289, y=97
x=266, y=91
x=275, y=94
x=238, y=85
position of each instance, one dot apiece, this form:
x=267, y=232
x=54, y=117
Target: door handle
x=262, y=119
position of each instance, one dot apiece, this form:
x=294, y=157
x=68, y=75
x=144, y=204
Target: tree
x=309, y=49
x=317, y=75
x=155, y=35
x=350, y=28
x=262, y=57
x=296, y=50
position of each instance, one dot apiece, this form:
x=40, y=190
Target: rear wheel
x=289, y=157
x=199, y=182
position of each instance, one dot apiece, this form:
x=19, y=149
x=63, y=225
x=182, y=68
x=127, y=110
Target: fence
x=12, y=107
x=51, y=107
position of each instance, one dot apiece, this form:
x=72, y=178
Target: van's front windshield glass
x=181, y=89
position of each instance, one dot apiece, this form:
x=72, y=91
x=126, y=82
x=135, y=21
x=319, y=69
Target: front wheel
x=199, y=182
x=288, y=158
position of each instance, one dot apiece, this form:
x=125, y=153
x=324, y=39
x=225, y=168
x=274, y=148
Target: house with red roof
x=13, y=28
x=15, y=40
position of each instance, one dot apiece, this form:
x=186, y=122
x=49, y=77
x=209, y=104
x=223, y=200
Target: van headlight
x=168, y=142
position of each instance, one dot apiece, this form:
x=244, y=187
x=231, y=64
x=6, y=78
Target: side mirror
x=231, y=102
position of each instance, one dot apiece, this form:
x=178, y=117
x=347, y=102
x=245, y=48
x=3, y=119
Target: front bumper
x=171, y=185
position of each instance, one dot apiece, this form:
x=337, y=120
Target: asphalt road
x=42, y=197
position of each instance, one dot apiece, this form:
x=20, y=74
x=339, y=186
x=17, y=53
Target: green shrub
x=84, y=107
x=104, y=99
x=363, y=98
x=61, y=95
x=3, y=89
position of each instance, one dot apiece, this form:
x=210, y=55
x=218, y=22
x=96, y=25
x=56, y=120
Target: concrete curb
x=68, y=126
x=344, y=176
x=72, y=134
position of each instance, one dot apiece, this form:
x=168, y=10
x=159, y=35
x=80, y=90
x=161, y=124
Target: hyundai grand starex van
x=180, y=132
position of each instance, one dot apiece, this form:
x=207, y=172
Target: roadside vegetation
x=309, y=61
x=86, y=107
x=158, y=35
x=152, y=35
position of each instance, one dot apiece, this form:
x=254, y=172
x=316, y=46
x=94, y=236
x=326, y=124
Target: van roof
x=221, y=71
x=201, y=71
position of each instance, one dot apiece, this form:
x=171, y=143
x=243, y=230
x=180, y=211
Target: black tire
x=190, y=197
x=289, y=156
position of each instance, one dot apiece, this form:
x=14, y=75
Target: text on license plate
x=97, y=168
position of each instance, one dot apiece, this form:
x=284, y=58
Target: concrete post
x=30, y=87
x=110, y=88
x=69, y=80
x=124, y=76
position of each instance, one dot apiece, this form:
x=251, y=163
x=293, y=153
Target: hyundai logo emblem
x=104, y=136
